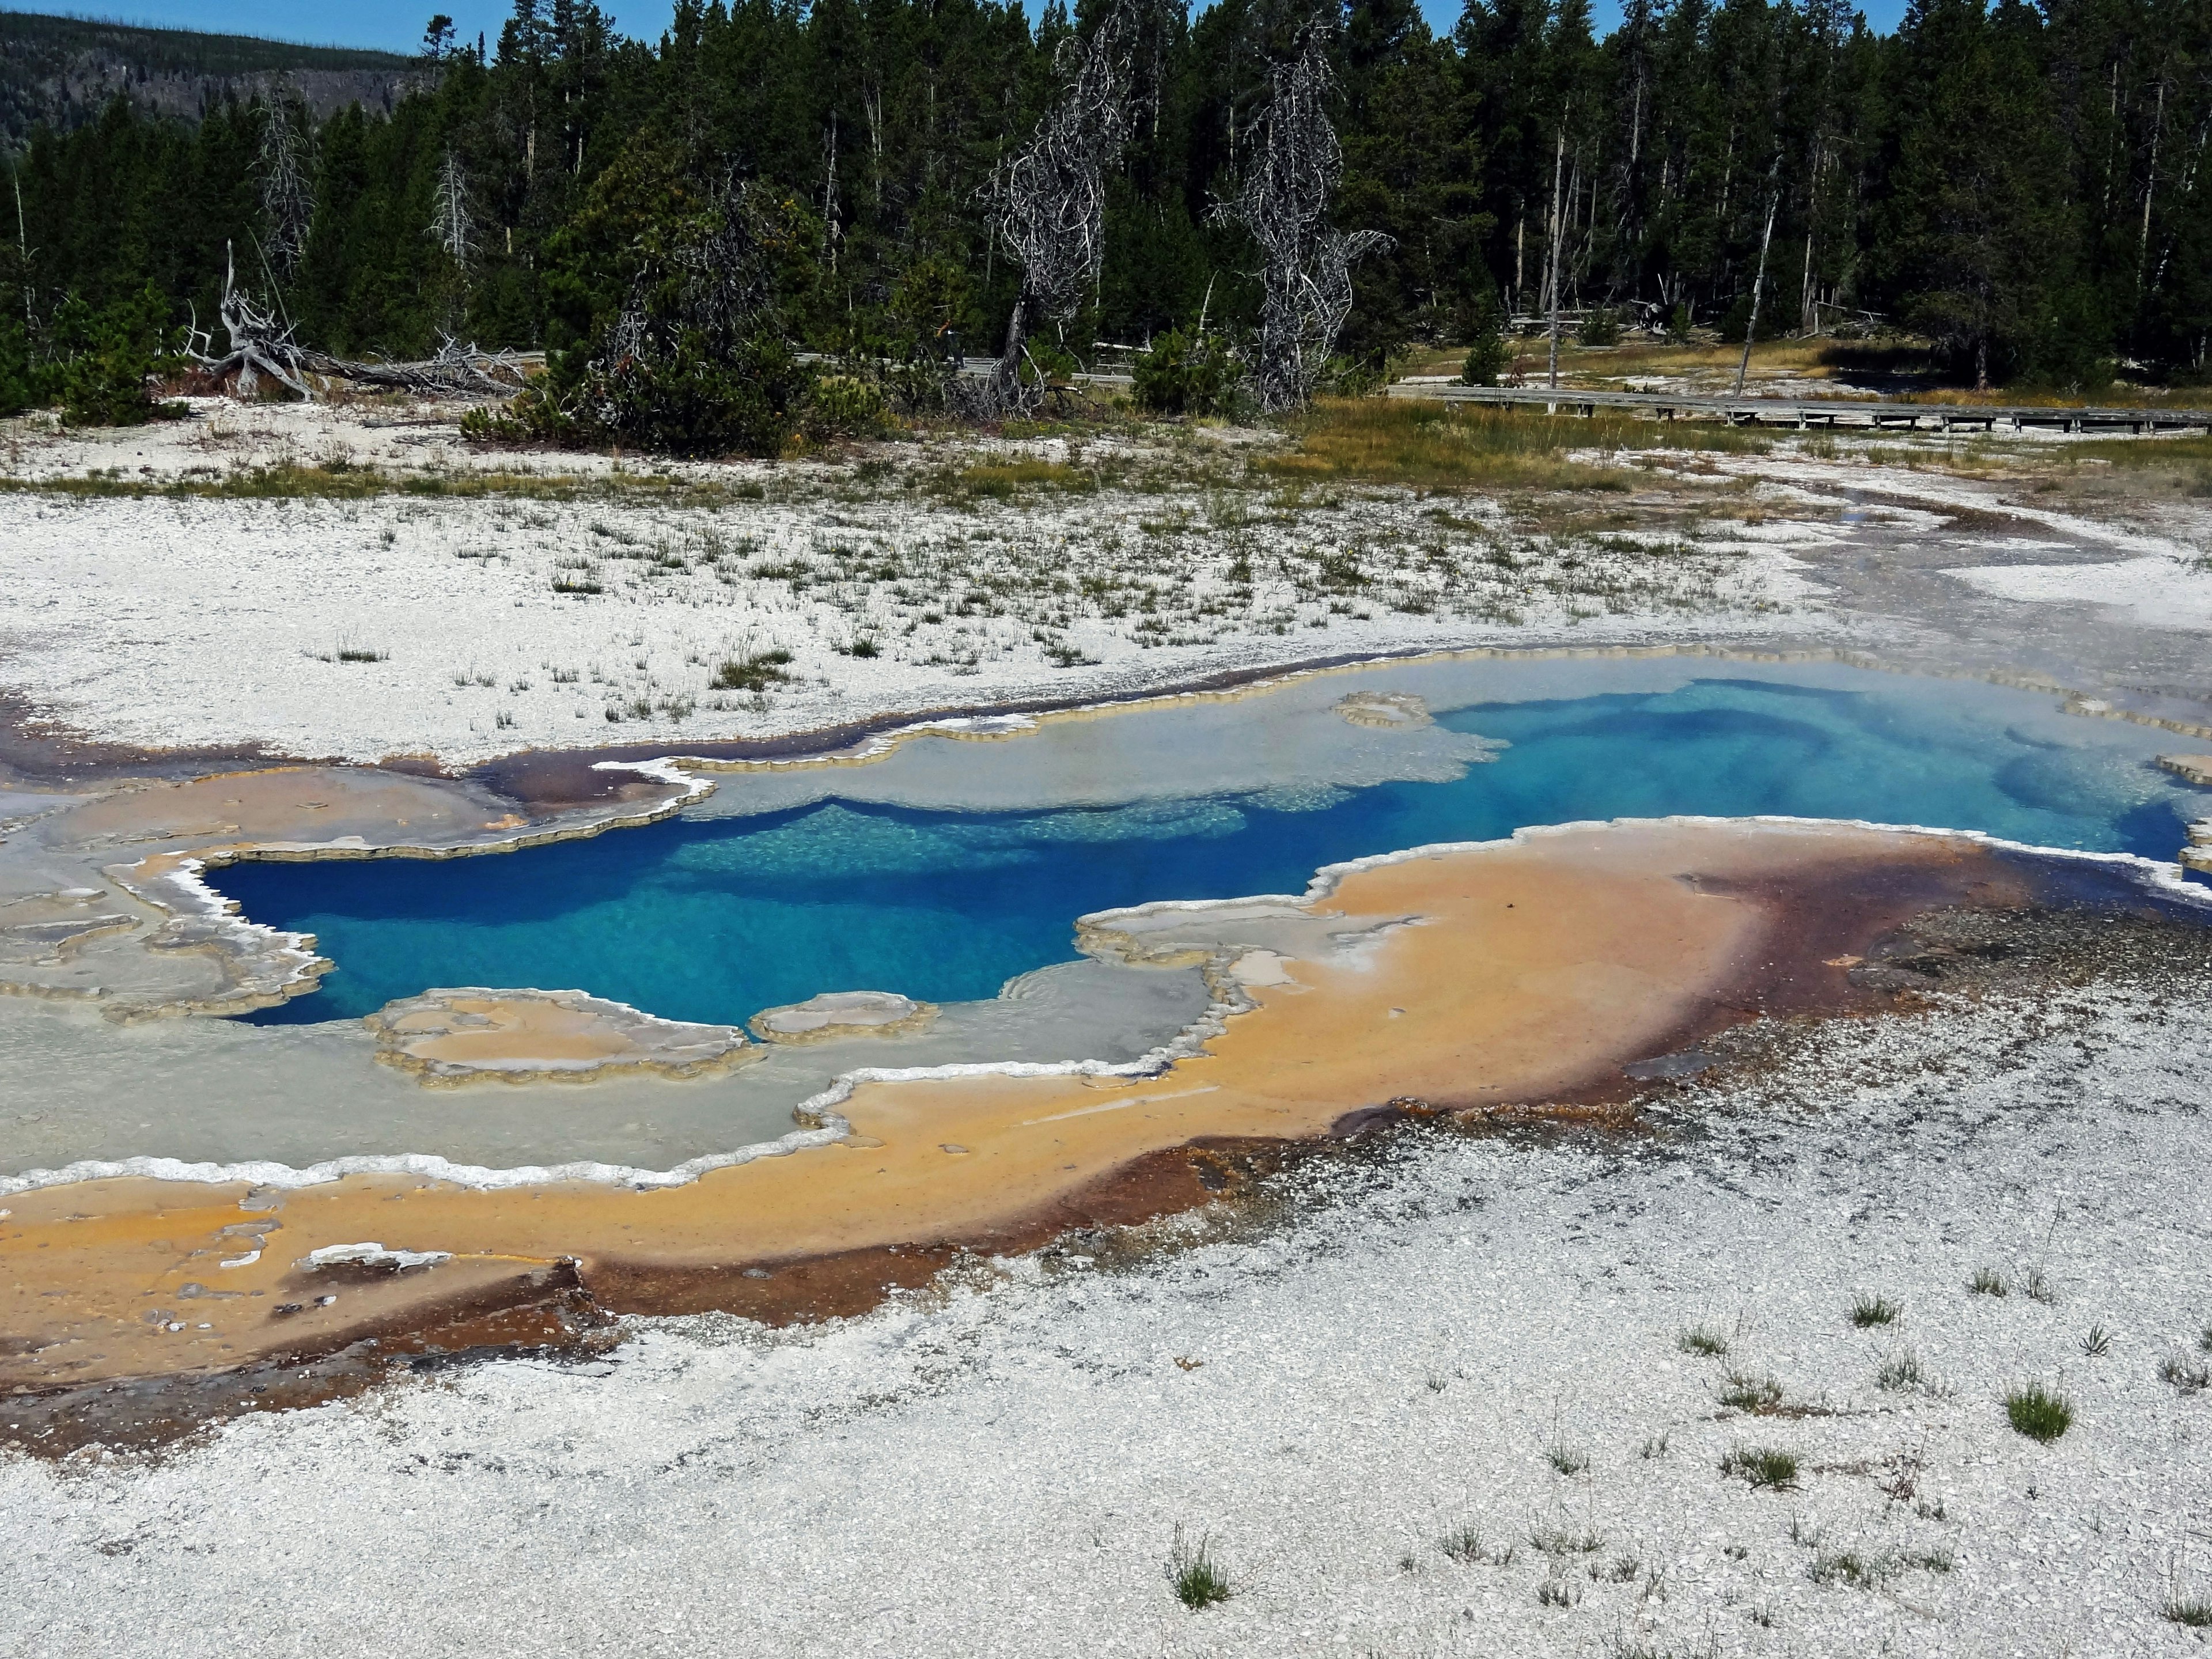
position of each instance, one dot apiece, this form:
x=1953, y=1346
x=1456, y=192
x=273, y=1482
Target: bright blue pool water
x=714, y=921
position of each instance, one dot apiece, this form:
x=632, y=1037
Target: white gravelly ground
x=999, y=1470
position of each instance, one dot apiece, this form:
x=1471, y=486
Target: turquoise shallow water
x=714, y=921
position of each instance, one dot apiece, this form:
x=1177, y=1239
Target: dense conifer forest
x=2022, y=185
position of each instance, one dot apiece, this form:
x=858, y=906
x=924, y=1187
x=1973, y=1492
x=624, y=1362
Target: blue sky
x=396, y=24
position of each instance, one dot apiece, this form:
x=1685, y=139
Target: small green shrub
x=2191, y=1610
x=1986, y=1281
x=1488, y=356
x=1601, y=328
x=844, y=406
x=1703, y=1341
x=2039, y=1414
x=2096, y=1342
x=1194, y=374
x=1197, y=1579
x=104, y=362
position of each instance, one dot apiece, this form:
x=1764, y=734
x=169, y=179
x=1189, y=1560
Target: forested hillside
x=61, y=72
x=2023, y=186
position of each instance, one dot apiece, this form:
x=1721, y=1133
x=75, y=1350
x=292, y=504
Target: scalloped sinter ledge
x=1390, y=710
x=469, y=1034
x=834, y=1014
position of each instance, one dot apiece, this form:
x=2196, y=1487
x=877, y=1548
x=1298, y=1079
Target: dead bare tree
x=1284, y=202
x=288, y=193
x=453, y=220
x=1048, y=209
x=259, y=344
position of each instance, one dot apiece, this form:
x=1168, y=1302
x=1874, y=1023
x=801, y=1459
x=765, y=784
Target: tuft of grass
x=1655, y=1446
x=1549, y=1539
x=2185, y=1374
x=1466, y=1544
x=2040, y=1289
x=2038, y=1413
x=1875, y=1311
x=2204, y=1340
x=1557, y=1593
x=1196, y=1577
x=1901, y=1372
x=2096, y=1342
x=1567, y=1459
x=1703, y=1341
x=1767, y=1468
x=1853, y=1568
x=2191, y=1609
x=752, y=670
x=1987, y=1281
x=1746, y=1391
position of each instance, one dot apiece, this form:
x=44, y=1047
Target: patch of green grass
x=1763, y=1468
x=1432, y=445
x=1747, y=1391
x=752, y=670
x=1196, y=1577
x=1987, y=1281
x=1567, y=1459
x=1901, y=1372
x=356, y=483
x=1875, y=1311
x=1020, y=475
x=1466, y=1544
x=2193, y=1610
x=1559, y=1541
x=1857, y=1569
x=2137, y=453
x=2038, y=1413
x=1703, y=1341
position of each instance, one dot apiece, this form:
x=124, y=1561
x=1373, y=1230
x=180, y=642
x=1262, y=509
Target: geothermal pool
x=952, y=867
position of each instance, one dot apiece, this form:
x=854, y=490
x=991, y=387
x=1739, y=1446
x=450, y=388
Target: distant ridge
x=64, y=70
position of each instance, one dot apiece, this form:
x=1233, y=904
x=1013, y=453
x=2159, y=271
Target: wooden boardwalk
x=1808, y=413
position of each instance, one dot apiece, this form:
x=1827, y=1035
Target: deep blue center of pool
x=714, y=921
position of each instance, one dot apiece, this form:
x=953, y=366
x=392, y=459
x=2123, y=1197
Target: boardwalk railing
x=1804, y=413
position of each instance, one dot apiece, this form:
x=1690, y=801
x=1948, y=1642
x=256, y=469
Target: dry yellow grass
x=1446, y=447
